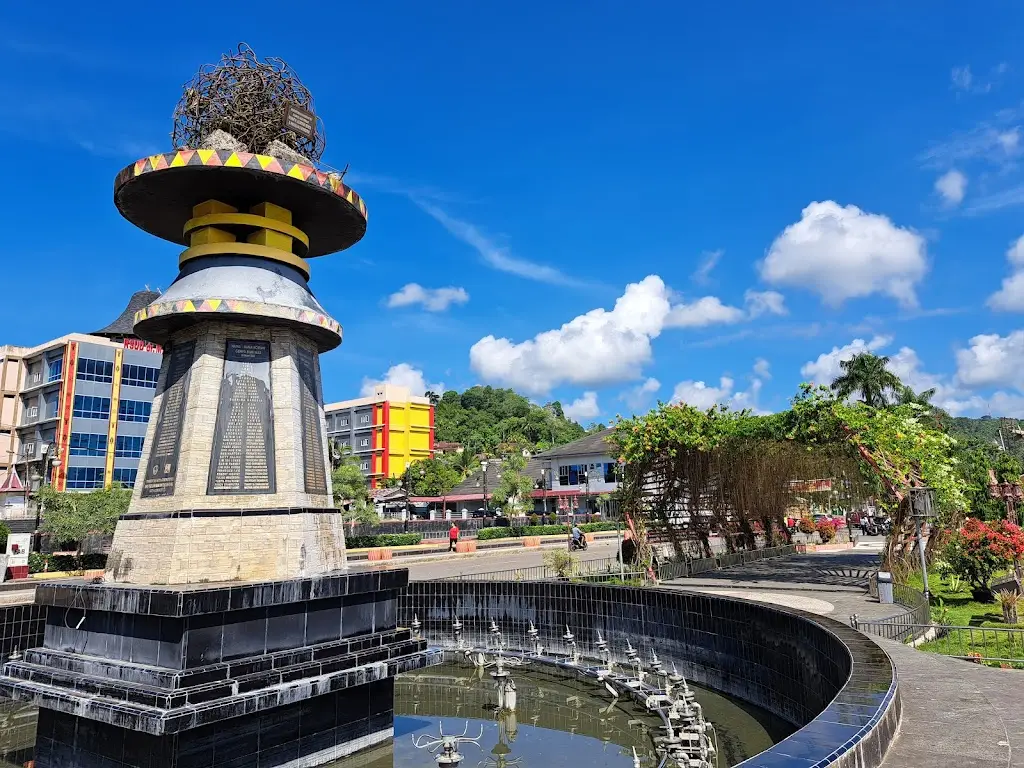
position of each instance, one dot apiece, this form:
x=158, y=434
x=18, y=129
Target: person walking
x=453, y=537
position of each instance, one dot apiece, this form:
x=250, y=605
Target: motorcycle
x=578, y=544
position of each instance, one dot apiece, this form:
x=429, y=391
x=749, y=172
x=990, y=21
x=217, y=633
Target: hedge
x=486, y=534
x=38, y=563
x=383, y=540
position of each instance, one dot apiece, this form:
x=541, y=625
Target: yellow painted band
x=246, y=220
x=244, y=249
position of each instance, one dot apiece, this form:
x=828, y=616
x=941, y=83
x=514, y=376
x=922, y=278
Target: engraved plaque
x=162, y=466
x=243, y=443
x=312, y=437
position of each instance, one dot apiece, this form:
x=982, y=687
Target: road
x=497, y=560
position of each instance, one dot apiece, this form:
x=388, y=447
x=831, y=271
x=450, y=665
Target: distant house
x=443, y=447
x=568, y=477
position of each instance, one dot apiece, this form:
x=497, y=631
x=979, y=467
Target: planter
x=982, y=595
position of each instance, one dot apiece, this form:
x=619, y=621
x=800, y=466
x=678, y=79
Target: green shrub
x=595, y=527
x=36, y=562
x=383, y=540
x=535, y=520
x=486, y=534
x=5, y=531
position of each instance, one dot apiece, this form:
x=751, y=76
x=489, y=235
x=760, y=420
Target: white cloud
x=826, y=367
x=432, y=299
x=1009, y=140
x=403, y=375
x=494, y=255
x=701, y=395
x=992, y=360
x=951, y=186
x=762, y=368
x=599, y=347
x=707, y=310
x=765, y=303
x=708, y=261
x=1010, y=297
x=961, y=78
x=639, y=396
x=583, y=409
x=842, y=252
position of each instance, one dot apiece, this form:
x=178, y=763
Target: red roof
x=12, y=483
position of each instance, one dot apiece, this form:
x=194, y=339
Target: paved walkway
x=955, y=714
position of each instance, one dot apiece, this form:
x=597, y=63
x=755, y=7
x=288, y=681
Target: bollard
x=885, y=587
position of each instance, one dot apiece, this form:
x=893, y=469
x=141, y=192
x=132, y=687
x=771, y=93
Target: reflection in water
x=558, y=723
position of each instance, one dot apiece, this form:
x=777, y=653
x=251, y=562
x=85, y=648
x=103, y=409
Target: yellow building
x=386, y=431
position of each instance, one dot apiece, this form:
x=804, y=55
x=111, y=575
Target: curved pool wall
x=830, y=681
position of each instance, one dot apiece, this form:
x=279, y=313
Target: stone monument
x=228, y=630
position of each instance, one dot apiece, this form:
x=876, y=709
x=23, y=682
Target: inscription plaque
x=312, y=437
x=162, y=466
x=243, y=442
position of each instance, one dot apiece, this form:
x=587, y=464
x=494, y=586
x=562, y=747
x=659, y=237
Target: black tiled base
x=307, y=733
x=134, y=676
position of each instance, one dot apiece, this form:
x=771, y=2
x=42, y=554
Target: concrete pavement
x=955, y=714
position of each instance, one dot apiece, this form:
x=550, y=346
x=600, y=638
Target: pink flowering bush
x=979, y=550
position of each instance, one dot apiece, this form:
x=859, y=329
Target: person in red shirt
x=453, y=537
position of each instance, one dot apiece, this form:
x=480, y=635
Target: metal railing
x=681, y=569
x=583, y=570
x=906, y=625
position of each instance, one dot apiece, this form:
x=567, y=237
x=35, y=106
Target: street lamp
x=921, y=511
x=1009, y=493
x=483, y=468
x=586, y=481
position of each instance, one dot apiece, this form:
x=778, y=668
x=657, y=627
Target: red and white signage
x=139, y=345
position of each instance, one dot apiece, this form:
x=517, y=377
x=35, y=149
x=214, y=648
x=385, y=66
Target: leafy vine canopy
x=893, y=445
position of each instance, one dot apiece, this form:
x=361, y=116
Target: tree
x=979, y=550
x=73, y=516
x=433, y=477
x=869, y=375
x=433, y=397
x=351, y=491
x=907, y=396
x=514, y=487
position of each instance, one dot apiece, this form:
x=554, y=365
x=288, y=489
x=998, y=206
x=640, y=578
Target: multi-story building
x=74, y=410
x=386, y=431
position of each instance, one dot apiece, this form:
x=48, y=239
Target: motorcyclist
x=577, y=536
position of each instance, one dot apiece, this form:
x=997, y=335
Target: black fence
x=906, y=625
x=438, y=529
x=681, y=569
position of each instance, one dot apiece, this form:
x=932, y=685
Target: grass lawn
x=956, y=608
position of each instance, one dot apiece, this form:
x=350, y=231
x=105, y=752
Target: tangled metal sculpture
x=245, y=97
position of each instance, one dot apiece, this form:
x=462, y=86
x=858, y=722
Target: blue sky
x=627, y=201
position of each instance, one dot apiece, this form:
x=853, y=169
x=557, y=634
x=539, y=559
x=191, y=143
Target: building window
x=30, y=449
x=125, y=477
x=563, y=475
x=89, y=407
x=32, y=411
x=134, y=410
x=364, y=419
x=56, y=368
x=85, y=444
x=609, y=472
x=35, y=376
x=342, y=422
x=51, y=408
x=364, y=442
x=364, y=465
x=139, y=376
x=94, y=370
x=85, y=477
x=128, y=447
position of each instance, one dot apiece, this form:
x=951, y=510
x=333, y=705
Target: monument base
x=308, y=733
x=286, y=673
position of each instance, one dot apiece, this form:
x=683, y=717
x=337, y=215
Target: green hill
x=483, y=418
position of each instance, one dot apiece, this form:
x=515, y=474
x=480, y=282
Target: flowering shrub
x=806, y=525
x=980, y=549
x=827, y=530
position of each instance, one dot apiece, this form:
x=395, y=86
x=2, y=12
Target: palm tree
x=869, y=375
x=907, y=396
x=433, y=397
